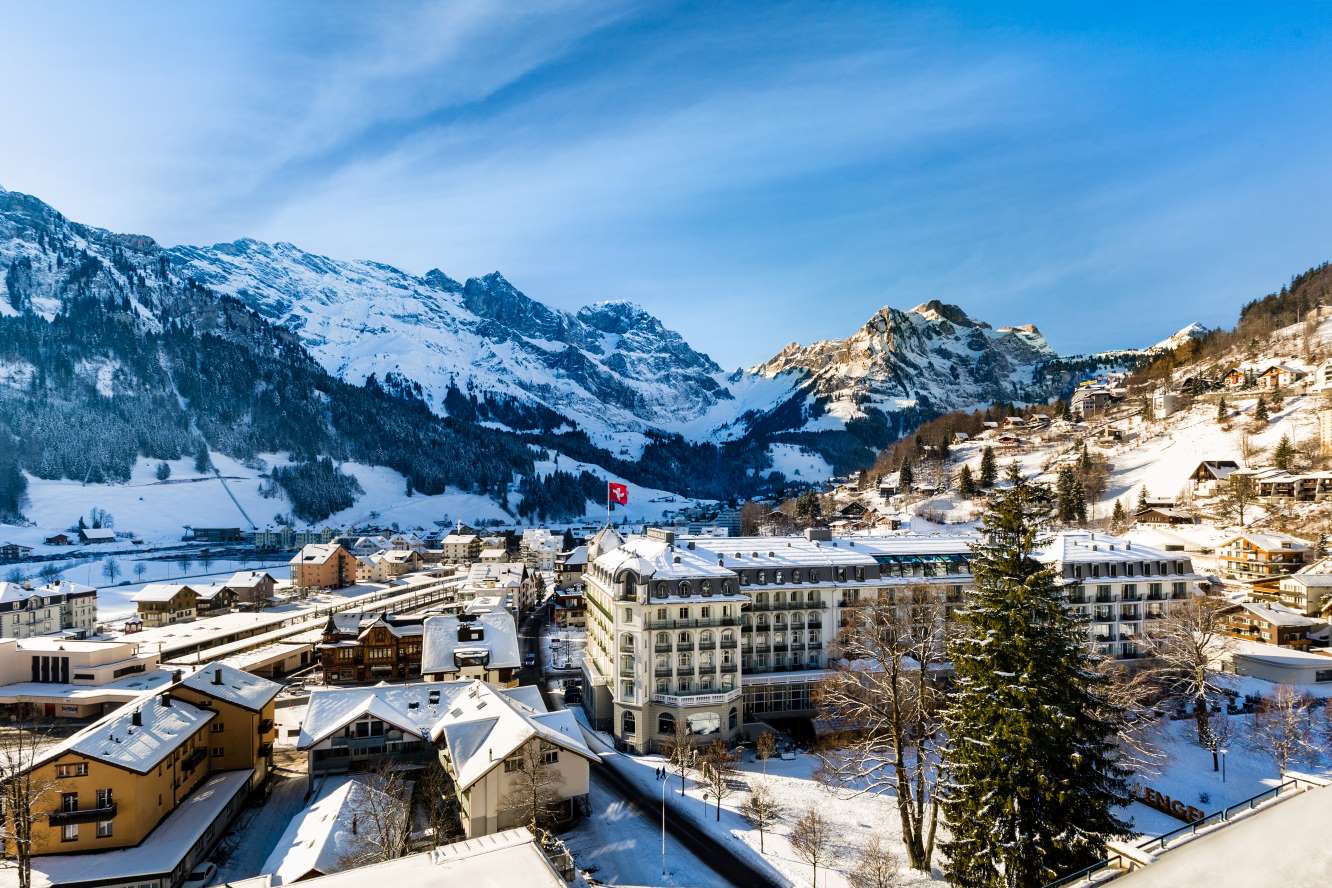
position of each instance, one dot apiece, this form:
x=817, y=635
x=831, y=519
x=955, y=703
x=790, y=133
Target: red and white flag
x=617, y=493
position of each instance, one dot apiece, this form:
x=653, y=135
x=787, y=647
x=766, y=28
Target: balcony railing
x=663, y=671
x=193, y=760
x=700, y=699
x=728, y=667
x=82, y=815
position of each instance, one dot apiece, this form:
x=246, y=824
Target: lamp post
x=663, y=826
x=1222, y=750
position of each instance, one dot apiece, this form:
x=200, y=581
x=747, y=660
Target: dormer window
x=685, y=587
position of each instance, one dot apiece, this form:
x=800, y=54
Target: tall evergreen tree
x=1031, y=776
x=1142, y=497
x=1260, y=411
x=906, y=477
x=1117, y=517
x=988, y=472
x=1221, y=410
x=966, y=485
x=1284, y=453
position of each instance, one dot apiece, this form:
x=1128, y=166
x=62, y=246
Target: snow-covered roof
x=315, y=553
x=657, y=559
x=1318, y=574
x=160, y=591
x=460, y=539
x=576, y=556
x=12, y=592
x=1270, y=541
x=492, y=554
x=442, y=645
x=496, y=573
x=233, y=685
x=399, y=556
x=320, y=839
x=1276, y=614
x=412, y=708
x=117, y=740
x=98, y=533
x=209, y=591
x=248, y=579
x=497, y=860
x=486, y=726
x=1074, y=546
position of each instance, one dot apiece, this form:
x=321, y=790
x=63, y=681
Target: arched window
x=684, y=638
x=795, y=576
x=705, y=637
x=763, y=576
x=813, y=576
x=663, y=638
x=663, y=590
x=728, y=635
x=666, y=724
x=813, y=596
x=707, y=587
x=734, y=720
x=685, y=588
x=627, y=723
x=841, y=574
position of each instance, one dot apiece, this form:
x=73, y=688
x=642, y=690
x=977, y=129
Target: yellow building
x=112, y=783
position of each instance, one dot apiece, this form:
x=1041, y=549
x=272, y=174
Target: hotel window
x=76, y=770
x=215, y=727
x=69, y=833
x=684, y=613
x=104, y=829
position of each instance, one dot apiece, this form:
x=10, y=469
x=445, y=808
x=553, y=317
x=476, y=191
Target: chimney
x=176, y=676
x=217, y=676
x=136, y=718
x=166, y=699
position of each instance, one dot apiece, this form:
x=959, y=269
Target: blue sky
x=752, y=173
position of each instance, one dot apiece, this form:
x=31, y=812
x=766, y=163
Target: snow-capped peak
x=1181, y=336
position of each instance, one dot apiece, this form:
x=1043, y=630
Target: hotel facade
x=703, y=634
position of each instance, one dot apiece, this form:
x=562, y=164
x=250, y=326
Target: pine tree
x=1142, y=497
x=966, y=485
x=1064, y=507
x=1031, y=777
x=906, y=478
x=988, y=473
x=1079, y=498
x=1117, y=517
x=1260, y=411
x=1221, y=410
x=1284, y=453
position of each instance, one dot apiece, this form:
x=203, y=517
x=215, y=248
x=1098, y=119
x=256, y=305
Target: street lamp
x=663, y=826
x=1222, y=750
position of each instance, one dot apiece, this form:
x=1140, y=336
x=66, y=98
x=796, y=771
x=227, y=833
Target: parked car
x=201, y=875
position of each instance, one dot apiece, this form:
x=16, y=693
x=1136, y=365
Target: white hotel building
x=709, y=632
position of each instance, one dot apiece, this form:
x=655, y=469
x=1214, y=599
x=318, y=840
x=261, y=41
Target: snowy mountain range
x=608, y=384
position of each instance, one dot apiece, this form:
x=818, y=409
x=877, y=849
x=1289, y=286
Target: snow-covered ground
x=798, y=463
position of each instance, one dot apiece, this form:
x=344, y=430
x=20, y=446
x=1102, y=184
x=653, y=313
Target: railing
x=82, y=815
x=1158, y=843
x=193, y=759
x=728, y=667
x=663, y=672
x=663, y=648
x=695, y=699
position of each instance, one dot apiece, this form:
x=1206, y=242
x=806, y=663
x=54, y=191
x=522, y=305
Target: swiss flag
x=617, y=493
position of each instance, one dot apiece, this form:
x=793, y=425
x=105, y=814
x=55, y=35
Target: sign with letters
x=1165, y=804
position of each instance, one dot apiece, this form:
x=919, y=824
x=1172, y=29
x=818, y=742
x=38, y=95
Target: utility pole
x=663, y=825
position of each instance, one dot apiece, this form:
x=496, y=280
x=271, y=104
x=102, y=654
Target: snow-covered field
x=799, y=464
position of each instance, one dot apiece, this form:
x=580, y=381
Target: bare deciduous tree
x=24, y=794
x=1186, y=644
x=1283, y=728
x=1131, y=697
x=812, y=840
x=717, y=765
x=1237, y=494
x=762, y=810
x=381, y=822
x=534, y=786
x=437, y=793
x=884, y=692
x=875, y=867
x=764, y=747
x=679, y=751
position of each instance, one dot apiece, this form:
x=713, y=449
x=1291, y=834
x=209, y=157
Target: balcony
x=728, y=667
x=730, y=643
x=82, y=815
x=663, y=672
x=194, y=759
x=813, y=624
x=707, y=645
x=663, y=648
x=1104, y=597
x=699, y=699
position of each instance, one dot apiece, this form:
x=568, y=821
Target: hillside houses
x=1270, y=623
x=1254, y=555
x=96, y=535
x=1207, y=477
x=161, y=604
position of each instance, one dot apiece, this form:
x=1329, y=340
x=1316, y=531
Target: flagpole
x=608, y=521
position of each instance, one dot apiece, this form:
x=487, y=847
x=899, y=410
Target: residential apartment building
x=1307, y=591
x=161, y=604
x=1119, y=587
x=479, y=733
x=322, y=566
x=481, y=646
x=704, y=633
x=27, y=610
x=400, y=561
x=539, y=548
x=1256, y=556
x=461, y=548
x=252, y=586
x=569, y=567
x=180, y=761
x=291, y=538
x=1270, y=624
x=356, y=648
x=504, y=578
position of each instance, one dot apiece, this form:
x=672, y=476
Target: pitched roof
x=160, y=591
x=248, y=579
x=315, y=553
x=321, y=838
x=117, y=740
x=1276, y=614
x=242, y=688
